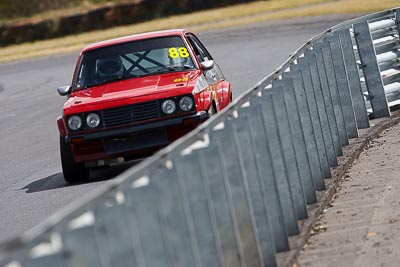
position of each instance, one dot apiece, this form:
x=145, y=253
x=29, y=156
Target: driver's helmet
x=108, y=68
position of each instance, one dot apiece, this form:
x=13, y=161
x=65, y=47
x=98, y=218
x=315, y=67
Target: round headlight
x=168, y=106
x=92, y=120
x=75, y=123
x=186, y=103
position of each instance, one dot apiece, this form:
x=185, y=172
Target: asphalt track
x=31, y=182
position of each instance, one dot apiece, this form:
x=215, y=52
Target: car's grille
x=131, y=113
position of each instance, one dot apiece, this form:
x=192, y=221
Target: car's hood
x=131, y=91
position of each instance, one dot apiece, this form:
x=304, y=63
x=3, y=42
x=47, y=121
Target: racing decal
x=184, y=79
x=180, y=52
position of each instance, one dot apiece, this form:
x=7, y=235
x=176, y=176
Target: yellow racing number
x=181, y=52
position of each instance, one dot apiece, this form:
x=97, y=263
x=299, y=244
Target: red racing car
x=133, y=95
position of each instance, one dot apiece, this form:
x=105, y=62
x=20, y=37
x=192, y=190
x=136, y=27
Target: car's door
x=214, y=75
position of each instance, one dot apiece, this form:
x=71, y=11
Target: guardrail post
x=307, y=127
x=80, y=246
x=263, y=162
x=53, y=260
x=330, y=112
x=334, y=91
x=285, y=129
x=175, y=232
x=343, y=86
x=198, y=203
x=360, y=109
x=278, y=165
x=217, y=190
x=145, y=225
x=299, y=142
x=113, y=236
x=371, y=70
x=322, y=111
x=248, y=166
x=309, y=88
x=237, y=196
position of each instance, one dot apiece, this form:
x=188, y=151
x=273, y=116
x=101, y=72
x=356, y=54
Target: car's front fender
x=224, y=94
x=206, y=98
x=61, y=126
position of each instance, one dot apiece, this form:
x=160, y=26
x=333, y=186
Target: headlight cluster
x=74, y=123
x=92, y=121
x=169, y=106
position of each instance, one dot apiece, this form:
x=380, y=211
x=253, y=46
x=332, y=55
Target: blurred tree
x=26, y=8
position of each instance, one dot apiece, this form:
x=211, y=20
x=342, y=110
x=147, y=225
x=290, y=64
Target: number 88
x=175, y=53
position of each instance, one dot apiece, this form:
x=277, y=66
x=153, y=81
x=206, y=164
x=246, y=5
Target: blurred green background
x=31, y=20
x=10, y=9
x=14, y=9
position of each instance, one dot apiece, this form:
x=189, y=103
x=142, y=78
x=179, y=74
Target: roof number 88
x=181, y=52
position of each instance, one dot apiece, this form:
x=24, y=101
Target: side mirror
x=64, y=90
x=206, y=65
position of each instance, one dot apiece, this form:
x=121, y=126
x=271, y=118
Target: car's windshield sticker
x=180, y=52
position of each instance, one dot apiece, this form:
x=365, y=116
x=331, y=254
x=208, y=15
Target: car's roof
x=135, y=37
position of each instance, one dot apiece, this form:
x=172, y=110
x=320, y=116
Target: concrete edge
x=350, y=155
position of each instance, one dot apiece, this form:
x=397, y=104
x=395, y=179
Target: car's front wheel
x=73, y=172
x=212, y=110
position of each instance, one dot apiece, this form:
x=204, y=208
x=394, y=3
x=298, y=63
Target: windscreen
x=133, y=59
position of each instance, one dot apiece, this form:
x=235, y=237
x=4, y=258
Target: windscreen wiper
x=167, y=70
x=178, y=68
x=104, y=82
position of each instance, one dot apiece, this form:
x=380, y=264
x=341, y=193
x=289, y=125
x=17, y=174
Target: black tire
x=212, y=110
x=73, y=172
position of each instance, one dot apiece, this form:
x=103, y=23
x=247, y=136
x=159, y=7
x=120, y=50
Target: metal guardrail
x=380, y=38
x=231, y=192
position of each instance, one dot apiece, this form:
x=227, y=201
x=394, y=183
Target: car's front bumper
x=133, y=141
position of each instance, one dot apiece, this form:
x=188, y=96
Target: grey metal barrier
x=232, y=191
x=378, y=46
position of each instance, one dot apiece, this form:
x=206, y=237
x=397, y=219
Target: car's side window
x=201, y=52
x=81, y=78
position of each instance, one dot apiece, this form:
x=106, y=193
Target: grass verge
x=241, y=14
